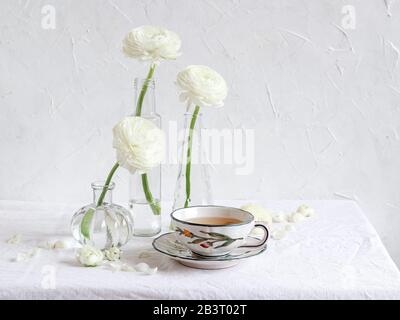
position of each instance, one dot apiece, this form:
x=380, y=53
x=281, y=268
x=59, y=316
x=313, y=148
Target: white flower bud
x=90, y=256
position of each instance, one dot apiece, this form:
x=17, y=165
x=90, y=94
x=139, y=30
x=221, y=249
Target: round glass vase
x=145, y=189
x=102, y=226
x=193, y=185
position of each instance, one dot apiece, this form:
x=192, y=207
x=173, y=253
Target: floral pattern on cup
x=209, y=240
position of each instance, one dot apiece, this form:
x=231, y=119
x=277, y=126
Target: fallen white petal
x=278, y=218
x=120, y=266
x=290, y=227
x=305, y=210
x=127, y=267
x=34, y=252
x=25, y=256
x=144, y=267
x=21, y=256
x=278, y=234
x=115, y=266
x=15, y=239
x=46, y=245
x=56, y=244
x=296, y=217
x=151, y=271
x=63, y=244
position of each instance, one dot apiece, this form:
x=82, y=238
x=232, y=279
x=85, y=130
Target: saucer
x=168, y=245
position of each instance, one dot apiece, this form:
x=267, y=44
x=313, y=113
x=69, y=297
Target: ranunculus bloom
x=90, y=256
x=139, y=143
x=150, y=43
x=202, y=86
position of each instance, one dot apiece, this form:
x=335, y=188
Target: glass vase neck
x=148, y=98
x=189, y=117
x=190, y=110
x=189, y=114
x=139, y=82
x=98, y=187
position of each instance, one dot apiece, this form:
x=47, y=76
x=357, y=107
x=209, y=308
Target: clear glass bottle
x=145, y=207
x=104, y=226
x=195, y=188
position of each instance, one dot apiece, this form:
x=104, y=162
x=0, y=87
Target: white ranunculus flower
x=139, y=143
x=150, y=43
x=202, y=86
x=90, y=256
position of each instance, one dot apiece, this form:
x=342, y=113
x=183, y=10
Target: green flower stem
x=87, y=218
x=107, y=183
x=155, y=207
x=144, y=90
x=189, y=154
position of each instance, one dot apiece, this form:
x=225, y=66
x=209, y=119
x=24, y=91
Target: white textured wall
x=324, y=100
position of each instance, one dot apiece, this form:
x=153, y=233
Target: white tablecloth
x=334, y=255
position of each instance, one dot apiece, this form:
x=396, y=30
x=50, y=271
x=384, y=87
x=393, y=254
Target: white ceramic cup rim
x=248, y=220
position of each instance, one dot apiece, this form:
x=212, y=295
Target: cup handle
x=262, y=241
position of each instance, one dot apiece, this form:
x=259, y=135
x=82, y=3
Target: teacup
x=215, y=230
